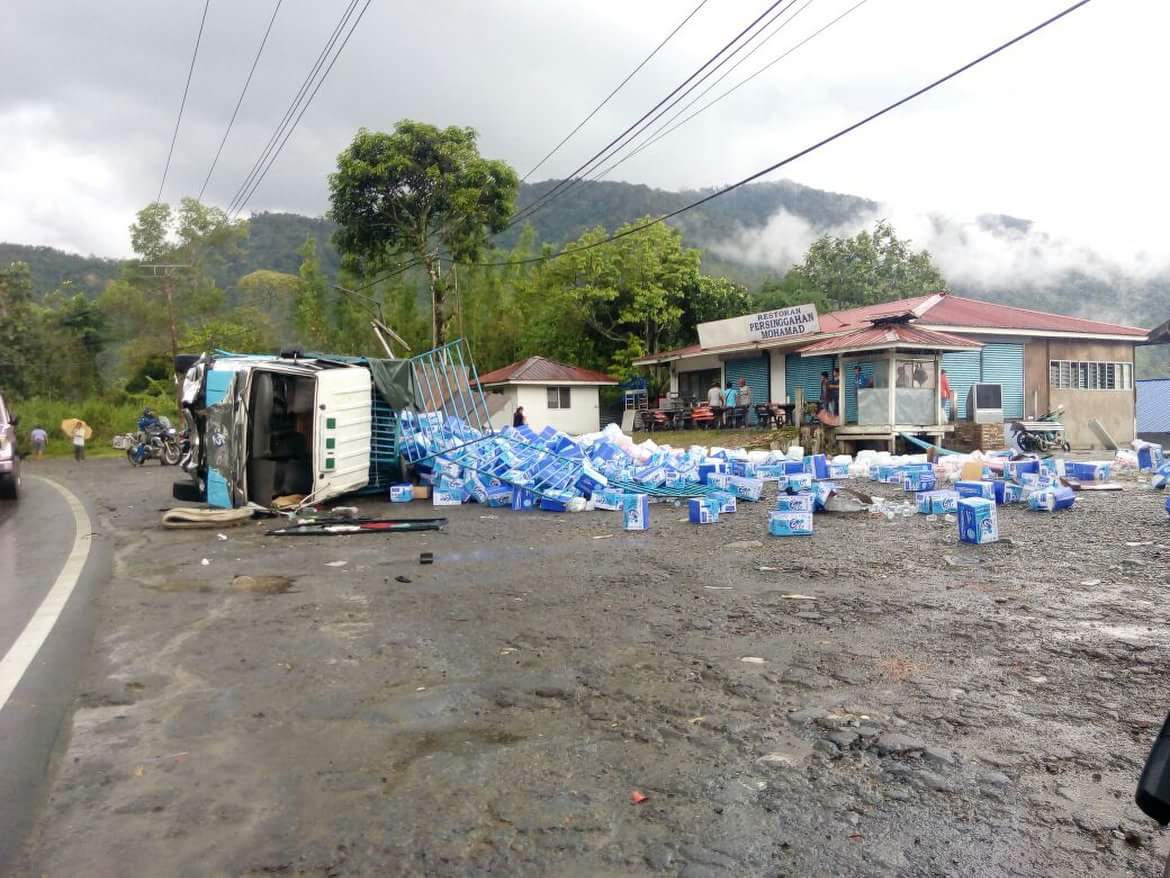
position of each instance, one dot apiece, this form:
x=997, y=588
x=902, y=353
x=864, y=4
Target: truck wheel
x=10, y=487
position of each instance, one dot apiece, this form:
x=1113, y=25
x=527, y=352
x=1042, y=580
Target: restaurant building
x=1038, y=361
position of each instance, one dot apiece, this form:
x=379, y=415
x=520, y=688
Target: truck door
x=341, y=435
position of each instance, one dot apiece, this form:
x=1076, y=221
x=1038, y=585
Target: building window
x=1090, y=375
x=558, y=397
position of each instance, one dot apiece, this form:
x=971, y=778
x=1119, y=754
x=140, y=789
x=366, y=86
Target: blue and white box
x=743, y=468
x=796, y=503
x=719, y=480
x=499, y=498
x=401, y=493
x=816, y=465
x=524, y=500
x=978, y=522
x=608, y=499
x=838, y=470
x=798, y=482
x=986, y=490
x=1014, y=469
x=937, y=502
x=706, y=470
x=449, y=492
x=1150, y=456
x=702, y=510
x=1051, y=499
x=725, y=499
x=1088, y=471
x=790, y=524
x=1009, y=492
x=745, y=488
x=919, y=480
x=636, y=511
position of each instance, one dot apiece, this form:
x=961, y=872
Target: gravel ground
x=878, y=699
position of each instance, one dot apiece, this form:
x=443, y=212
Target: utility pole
x=167, y=274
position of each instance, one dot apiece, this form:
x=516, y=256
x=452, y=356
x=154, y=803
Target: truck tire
x=9, y=487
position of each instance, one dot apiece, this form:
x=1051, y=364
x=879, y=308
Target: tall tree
x=868, y=268
x=17, y=329
x=418, y=193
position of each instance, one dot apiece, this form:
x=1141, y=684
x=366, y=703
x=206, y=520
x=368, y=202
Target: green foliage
x=408, y=193
x=108, y=416
x=794, y=289
x=868, y=268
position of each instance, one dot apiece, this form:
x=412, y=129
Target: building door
x=695, y=384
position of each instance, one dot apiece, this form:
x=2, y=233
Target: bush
x=106, y=416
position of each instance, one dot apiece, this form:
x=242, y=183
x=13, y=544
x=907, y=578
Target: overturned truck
x=309, y=427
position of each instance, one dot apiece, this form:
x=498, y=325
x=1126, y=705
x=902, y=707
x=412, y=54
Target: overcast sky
x=1068, y=128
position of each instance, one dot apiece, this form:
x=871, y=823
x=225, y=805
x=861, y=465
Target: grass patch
x=750, y=438
x=106, y=417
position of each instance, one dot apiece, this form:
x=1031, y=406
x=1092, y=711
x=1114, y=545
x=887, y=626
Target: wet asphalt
x=556, y=696
x=36, y=535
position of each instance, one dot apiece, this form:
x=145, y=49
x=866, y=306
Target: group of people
x=723, y=401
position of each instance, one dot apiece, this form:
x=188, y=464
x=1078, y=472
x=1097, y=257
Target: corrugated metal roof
x=942, y=309
x=541, y=369
x=958, y=311
x=896, y=335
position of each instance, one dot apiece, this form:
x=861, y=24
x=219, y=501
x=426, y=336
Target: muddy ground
x=927, y=708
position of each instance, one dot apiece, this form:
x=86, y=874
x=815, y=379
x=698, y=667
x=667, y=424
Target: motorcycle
x=1043, y=435
x=155, y=440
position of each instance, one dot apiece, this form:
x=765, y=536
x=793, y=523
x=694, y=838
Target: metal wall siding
x=805, y=372
x=867, y=369
x=1004, y=364
x=755, y=370
x=963, y=370
x=1153, y=405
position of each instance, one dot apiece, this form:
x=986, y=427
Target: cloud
x=986, y=251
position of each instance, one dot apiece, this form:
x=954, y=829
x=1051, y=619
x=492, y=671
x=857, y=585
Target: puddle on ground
x=168, y=585
x=262, y=584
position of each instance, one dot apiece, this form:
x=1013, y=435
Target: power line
x=183, y=102
x=699, y=96
x=292, y=107
x=658, y=136
x=543, y=199
x=308, y=102
x=620, y=85
x=797, y=155
x=239, y=102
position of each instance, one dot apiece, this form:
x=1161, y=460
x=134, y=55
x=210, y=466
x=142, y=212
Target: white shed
x=552, y=394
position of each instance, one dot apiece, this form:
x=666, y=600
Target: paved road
x=38, y=537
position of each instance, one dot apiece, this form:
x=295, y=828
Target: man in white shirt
x=715, y=395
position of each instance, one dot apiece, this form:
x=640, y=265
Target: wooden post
x=893, y=373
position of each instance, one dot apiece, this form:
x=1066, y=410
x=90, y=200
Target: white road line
x=18, y=658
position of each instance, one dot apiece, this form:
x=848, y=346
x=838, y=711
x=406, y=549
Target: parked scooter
x=156, y=440
x=1043, y=435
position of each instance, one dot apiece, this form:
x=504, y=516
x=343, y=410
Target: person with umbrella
x=78, y=431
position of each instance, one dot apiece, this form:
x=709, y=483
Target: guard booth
x=889, y=377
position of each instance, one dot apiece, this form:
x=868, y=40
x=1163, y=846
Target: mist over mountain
x=753, y=233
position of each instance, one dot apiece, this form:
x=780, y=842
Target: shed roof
x=889, y=337
x=540, y=370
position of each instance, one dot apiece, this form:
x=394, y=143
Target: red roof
x=835, y=321
x=942, y=309
x=538, y=370
x=894, y=335
x=957, y=311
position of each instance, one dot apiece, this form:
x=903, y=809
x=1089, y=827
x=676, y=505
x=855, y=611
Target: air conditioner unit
x=985, y=403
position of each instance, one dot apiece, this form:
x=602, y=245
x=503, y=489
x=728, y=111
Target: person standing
x=825, y=395
x=946, y=395
x=519, y=419
x=79, y=441
x=729, y=402
x=834, y=389
x=39, y=438
x=860, y=380
x=715, y=395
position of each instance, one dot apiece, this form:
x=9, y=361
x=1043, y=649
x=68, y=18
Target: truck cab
x=262, y=428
